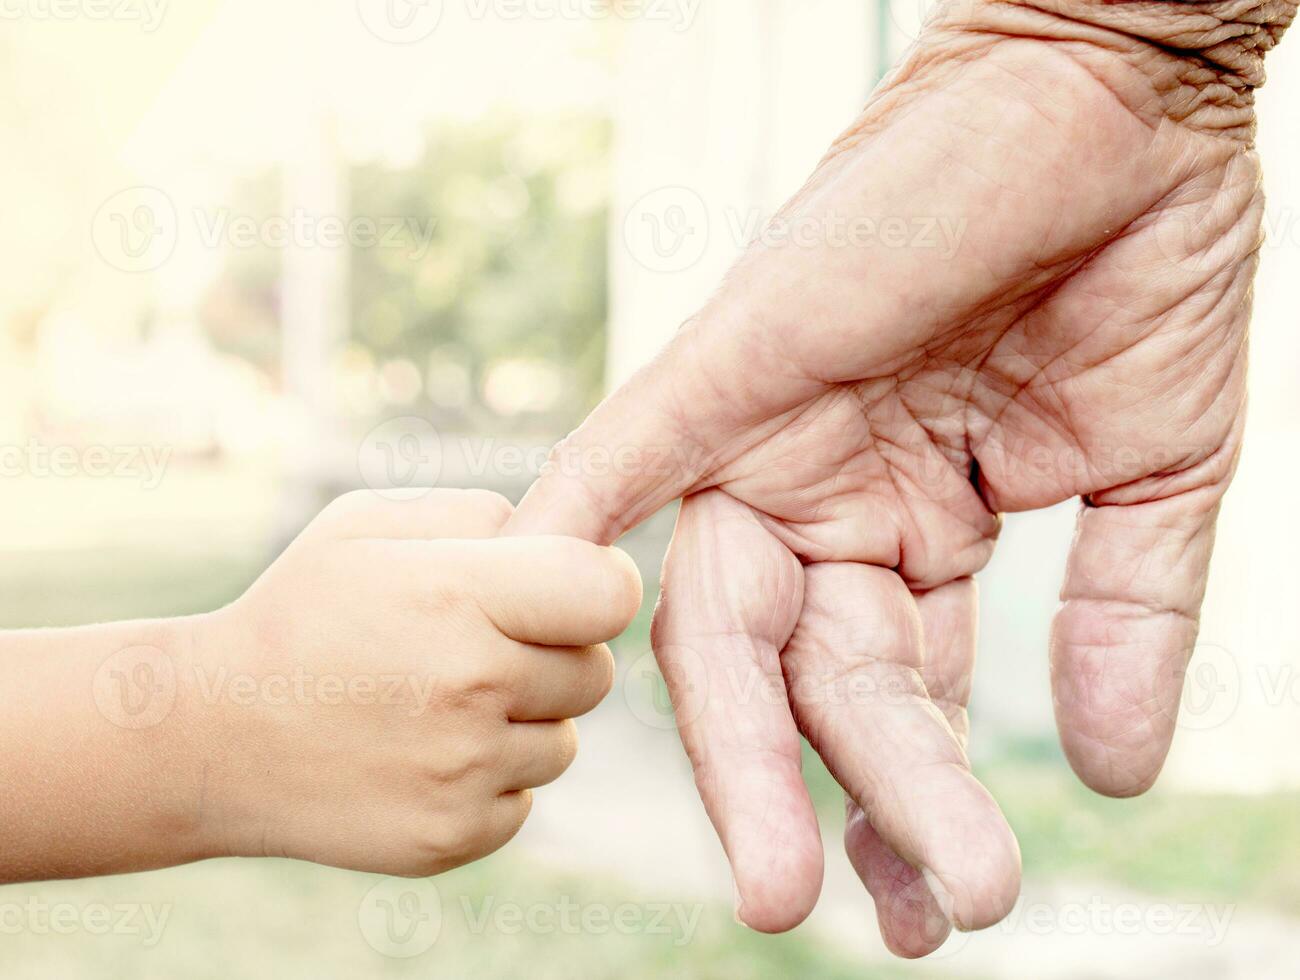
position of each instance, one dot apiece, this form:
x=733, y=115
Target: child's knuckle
x=565, y=745
x=598, y=673
x=492, y=504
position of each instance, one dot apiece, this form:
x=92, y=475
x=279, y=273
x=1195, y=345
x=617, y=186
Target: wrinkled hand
x=848, y=419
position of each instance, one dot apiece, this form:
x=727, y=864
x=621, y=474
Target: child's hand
x=386, y=694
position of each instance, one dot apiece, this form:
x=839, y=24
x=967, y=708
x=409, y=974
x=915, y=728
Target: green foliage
x=491, y=246
x=516, y=264
x=74, y=588
x=1194, y=846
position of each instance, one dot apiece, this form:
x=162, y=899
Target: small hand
x=387, y=694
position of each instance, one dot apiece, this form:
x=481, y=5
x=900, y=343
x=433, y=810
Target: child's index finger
x=554, y=591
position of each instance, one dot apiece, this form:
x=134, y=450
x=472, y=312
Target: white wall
x=715, y=121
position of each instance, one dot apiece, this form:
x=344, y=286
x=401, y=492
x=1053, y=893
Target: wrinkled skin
x=848, y=421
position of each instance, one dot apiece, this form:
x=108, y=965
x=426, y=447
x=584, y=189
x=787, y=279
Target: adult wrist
x=1197, y=62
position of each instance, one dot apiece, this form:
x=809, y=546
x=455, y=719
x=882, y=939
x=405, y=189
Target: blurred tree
x=478, y=275
x=514, y=267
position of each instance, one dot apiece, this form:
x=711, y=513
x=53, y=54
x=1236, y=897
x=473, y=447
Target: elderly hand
x=847, y=420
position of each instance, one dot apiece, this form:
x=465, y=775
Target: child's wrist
x=216, y=646
x=100, y=739
x=165, y=709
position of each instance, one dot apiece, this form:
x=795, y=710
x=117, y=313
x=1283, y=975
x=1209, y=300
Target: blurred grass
x=285, y=919
x=72, y=588
x=1210, y=847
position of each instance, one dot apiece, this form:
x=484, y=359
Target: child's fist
x=384, y=697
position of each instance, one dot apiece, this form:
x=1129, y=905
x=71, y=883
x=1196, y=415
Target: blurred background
x=256, y=255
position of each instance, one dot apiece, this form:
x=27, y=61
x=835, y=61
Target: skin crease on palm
x=846, y=423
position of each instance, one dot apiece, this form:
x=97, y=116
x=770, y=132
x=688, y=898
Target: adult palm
x=849, y=414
